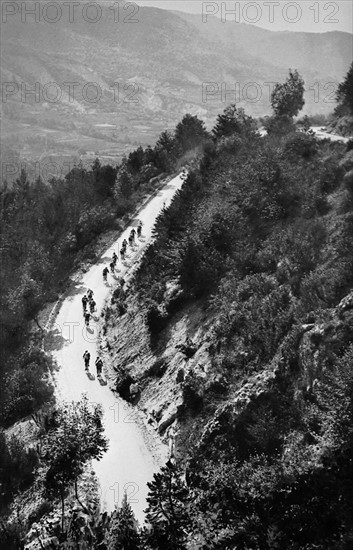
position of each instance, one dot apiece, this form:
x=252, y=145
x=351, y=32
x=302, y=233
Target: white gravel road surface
x=130, y=460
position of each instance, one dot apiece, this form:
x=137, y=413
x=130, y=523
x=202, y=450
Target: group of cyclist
x=88, y=306
x=111, y=266
x=123, y=250
x=98, y=362
x=88, y=303
x=133, y=234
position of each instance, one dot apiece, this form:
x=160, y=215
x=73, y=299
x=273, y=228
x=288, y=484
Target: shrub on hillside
x=17, y=466
x=330, y=177
x=26, y=385
x=260, y=313
x=279, y=125
x=92, y=222
x=156, y=319
x=325, y=286
x=193, y=392
x=300, y=145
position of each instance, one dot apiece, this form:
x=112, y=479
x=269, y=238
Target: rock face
x=159, y=368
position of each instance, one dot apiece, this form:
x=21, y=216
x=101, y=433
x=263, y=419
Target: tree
x=233, y=121
x=136, y=160
x=344, y=95
x=288, y=99
x=75, y=438
x=26, y=385
x=190, y=133
x=165, y=142
x=103, y=179
x=167, y=511
x=125, y=183
x=123, y=534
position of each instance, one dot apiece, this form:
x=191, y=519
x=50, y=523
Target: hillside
x=145, y=78
x=239, y=333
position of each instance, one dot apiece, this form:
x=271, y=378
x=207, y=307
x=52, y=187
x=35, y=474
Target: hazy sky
x=276, y=15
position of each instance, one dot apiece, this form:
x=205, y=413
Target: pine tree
x=233, y=121
x=123, y=534
x=344, y=94
x=167, y=512
x=190, y=132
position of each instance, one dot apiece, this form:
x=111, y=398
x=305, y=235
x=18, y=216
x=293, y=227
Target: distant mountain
x=325, y=55
x=147, y=74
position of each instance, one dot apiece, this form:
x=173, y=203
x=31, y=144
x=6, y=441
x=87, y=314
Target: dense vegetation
x=46, y=231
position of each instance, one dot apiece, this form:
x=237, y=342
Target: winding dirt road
x=322, y=134
x=130, y=460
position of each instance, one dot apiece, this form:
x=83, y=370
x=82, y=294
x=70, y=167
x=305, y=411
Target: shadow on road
x=74, y=289
x=54, y=341
x=104, y=260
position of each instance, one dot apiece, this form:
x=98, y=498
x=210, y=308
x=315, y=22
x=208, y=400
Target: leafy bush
x=192, y=392
x=300, y=145
x=156, y=319
x=17, y=467
x=257, y=310
x=323, y=287
x=330, y=177
x=27, y=386
x=279, y=125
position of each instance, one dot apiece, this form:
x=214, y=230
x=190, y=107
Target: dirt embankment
x=156, y=367
x=342, y=126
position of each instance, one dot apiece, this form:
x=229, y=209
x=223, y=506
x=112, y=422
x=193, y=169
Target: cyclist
x=92, y=306
x=86, y=358
x=99, y=366
x=84, y=303
x=139, y=229
x=90, y=294
x=87, y=318
x=105, y=273
x=112, y=267
x=114, y=258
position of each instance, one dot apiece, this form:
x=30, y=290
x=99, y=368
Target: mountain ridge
x=147, y=75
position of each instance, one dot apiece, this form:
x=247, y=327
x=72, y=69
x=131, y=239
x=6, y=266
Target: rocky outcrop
x=161, y=366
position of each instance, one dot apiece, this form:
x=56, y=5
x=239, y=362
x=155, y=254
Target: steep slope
x=240, y=340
